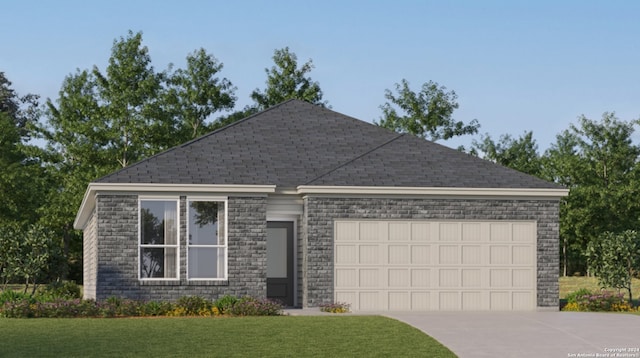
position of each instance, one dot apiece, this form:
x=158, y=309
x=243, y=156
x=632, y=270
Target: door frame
x=293, y=219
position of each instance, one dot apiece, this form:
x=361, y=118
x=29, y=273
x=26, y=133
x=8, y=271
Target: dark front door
x=280, y=261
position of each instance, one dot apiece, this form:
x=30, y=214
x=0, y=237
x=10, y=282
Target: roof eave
x=550, y=193
x=89, y=199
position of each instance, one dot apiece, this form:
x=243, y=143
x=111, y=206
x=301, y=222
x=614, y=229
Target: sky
x=516, y=66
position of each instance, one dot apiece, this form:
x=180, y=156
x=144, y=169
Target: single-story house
x=309, y=206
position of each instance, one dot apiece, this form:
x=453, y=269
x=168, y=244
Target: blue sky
x=515, y=65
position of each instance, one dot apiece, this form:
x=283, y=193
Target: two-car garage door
x=435, y=265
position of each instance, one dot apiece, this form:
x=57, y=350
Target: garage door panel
x=449, y=232
x=369, y=231
x=399, y=231
x=398, y=254
x=369, y=255
x=471, y=278
x=398, y=277
x=370, y=277
x=369, y=301
x=435, y=265
x=472, y=301
x=522, y=255
x=420, y=278
x=471, y=232
x=346, y=231
x=345, y=254
x=449, y=255
x=499, y=255
x=449, y=278
x=399, y=301
x=420, y=231
x=449, y=301
x=420, y=254
x=346, y=278
x=420, y=301
x=471, y=255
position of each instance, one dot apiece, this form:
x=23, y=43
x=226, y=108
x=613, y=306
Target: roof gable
x=296, y=143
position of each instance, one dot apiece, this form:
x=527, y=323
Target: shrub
x=193, y=305
x=585, y=300
x=225, y=303
x=14, y=296
x=249, y=306
x=338, y=307
x=573, y=297
x=155, y=308
x=63, y=289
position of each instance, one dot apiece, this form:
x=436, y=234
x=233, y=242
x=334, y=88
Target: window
x=158, y=245
x=207, y=239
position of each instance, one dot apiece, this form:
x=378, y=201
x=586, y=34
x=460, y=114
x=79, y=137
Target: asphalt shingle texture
x=297, y=143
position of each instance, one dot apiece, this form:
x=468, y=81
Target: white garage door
x=435, y=265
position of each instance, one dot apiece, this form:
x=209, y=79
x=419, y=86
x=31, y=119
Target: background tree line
x=106, y=119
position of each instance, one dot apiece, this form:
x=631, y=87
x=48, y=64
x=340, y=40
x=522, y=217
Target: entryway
x=280, y=283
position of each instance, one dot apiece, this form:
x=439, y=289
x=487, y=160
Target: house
x=309, y=206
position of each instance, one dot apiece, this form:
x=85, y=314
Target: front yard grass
x=287, y=336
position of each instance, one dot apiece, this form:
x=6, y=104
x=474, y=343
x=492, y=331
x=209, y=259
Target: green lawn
x=285, y=336
x=574, y=283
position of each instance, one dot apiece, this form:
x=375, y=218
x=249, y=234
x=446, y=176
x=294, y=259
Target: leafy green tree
x=427, y=114
x=614, y=258
x=106, y=120
x=196, y=93
x=286, y=80
x=28, y=254
x=597, y=160
x=520, y=154
x=19, y=160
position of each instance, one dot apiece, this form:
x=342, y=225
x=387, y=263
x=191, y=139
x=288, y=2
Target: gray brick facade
x=111, y=236
x=320, y=213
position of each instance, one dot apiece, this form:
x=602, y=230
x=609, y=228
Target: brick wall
x=116, y=247
x=320, y=213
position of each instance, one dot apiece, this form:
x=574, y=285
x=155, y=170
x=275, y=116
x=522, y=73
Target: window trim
x=177, y=247
x=224, y=200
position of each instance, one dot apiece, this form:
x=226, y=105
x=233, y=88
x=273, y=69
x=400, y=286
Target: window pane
x=158, y=222
x=158, y=263
x=206, y=262
x=205, y=223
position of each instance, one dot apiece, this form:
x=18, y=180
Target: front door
x=280, y=261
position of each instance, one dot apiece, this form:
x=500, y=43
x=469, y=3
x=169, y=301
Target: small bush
x=584, y=300
x=249, y=306
x=15, y=296
x=338, y=307
x=155, y=308
x=225, y=303
x=573, y=297
x=193, y=305
x=63, y=289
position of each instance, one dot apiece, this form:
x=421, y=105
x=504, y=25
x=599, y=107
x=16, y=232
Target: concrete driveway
x=531, y=334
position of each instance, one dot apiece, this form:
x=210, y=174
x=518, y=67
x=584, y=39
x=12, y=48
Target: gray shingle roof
x=297, y=143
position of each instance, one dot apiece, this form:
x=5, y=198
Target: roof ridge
x=356, y=158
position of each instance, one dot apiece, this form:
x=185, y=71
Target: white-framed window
x=206, y=238
x=159, y=244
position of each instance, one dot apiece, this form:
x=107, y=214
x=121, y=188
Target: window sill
x=184, y=283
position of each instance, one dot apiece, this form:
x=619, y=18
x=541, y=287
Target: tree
x=19, y=160
x=106, y=120
x=426, y=114
x=597, y=160
x=28, y=253
x=520, y=154
x=287, y=81
x=614, y=258
x=196, y=93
